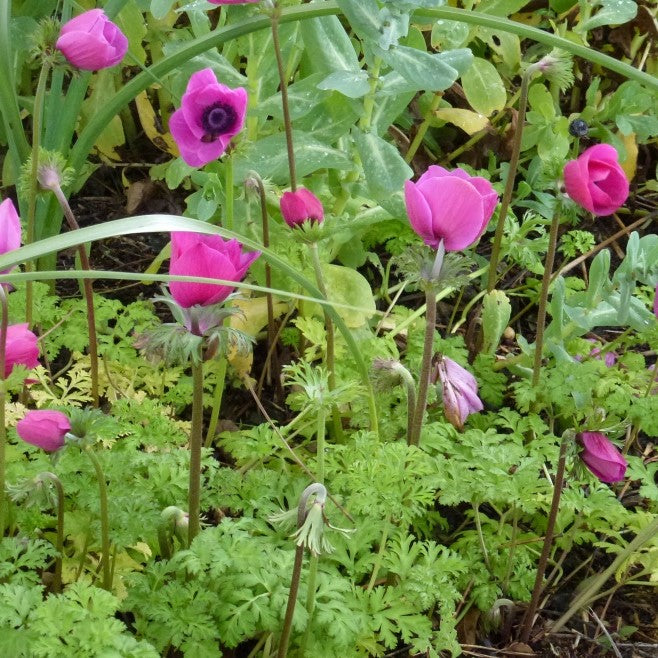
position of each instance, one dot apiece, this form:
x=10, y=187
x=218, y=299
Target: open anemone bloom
x=22, y=348
x=301, y=206
x=44, y=428
x=210, y=115
x=601, y=457
x=596, y=181
x=196, y=254
x=10, y=229
x=459, y=389
x=449, y=206
x=91, y=41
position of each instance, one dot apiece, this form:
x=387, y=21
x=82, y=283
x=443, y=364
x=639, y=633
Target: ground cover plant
x=328, y=329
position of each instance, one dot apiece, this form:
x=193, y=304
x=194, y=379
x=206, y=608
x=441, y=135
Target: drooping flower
x=44, y=428
x=452, y=206
x=209, y=116
x=196, y=254
x=459, y=389
x=596, y=181
x=10, y=229
x=22, y=348
x=601, y=457
x=91, y=41
x=301, y=206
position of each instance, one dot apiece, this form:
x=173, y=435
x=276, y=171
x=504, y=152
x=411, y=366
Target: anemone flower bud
x=601, y=457
x=91, y=41
x=596, y=181
x=301, y=206
x=10, y=229
x=21, y=349
x=459, y=389
x=196, y=254
x=209, y=116
x=44, y=428
x=452, y=206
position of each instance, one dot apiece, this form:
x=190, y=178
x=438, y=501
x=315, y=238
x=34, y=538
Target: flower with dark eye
x=210, y=115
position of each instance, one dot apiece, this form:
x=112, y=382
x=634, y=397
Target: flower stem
x=528, y=618
x=88, y=292
x=228, y=193
x=37, y=119
x=59, y=543
x=217, y=401
x=296, y=570
x=422, y=129
x=196, y=439
x=329, y=326
x=369, y=101
x=276, y=14
x=4, y=323
x=380, y=555
x=509, y=183
x=426, y=365
x=543, y=296
x=105, y=525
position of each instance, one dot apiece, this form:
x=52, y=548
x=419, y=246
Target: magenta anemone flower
x=601, y=457
x=91, y=41
x=459, y=389
x=44, y=428
x=10, y=229
x=596, y=181
x=452, y=206
x=301, y=206
x=209, y=116
x=196, y=254
x=22, y=348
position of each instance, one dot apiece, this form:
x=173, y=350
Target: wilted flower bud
x=601, y=457
x=459, y=389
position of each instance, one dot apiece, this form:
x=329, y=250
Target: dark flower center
x=217, y=119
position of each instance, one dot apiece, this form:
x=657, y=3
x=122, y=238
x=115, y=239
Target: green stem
x=329, y=326
x=528, y=618
x=369, y=100
x=380, y=555
x=59, y=543
x=314, y=488
x=105, y=524
x=422, y=129
x=310, y=601
x=543, y=296
x=283, y=82
x=228, y=192
x=426, y=365
x=37, y=117
x=88, y=294
x=410, y=387
x=196, y=440
x=217, y=401
x=478, y=527
x=509, y=182
x=4, y=323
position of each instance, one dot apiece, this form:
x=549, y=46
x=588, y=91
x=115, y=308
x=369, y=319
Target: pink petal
x=420, y=215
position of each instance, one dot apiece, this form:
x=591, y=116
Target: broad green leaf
x=505, y=44
x=160, y=8
x=384, y=168
x=303, y=96
x=347, y=286
x=501, y=7
x=131, y=22
x=269, y=158
x=353, y=84
x=328, y=48
x=364, y=17
x=612, y=12
x=484, y=88
x=431, y=72
x=470, y=122
x=449, y=34
x=496, y=312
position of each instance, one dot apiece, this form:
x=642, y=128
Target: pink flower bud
x=91, y=41
x=209, y=116
x=301, y=206
x=452, y=206
x=22, y=348
x=10, y=229
x=601, y=457
x=596, y=181
x=196, y=254
x=459, y=389
x=44, y=428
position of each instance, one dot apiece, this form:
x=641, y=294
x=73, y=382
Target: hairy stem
x=528, y=618
x=105, y=523
x=369, y=100
x=426, y=364
x=509, y=183
x=196, y=441
x=59, y=542
x=543, y=296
